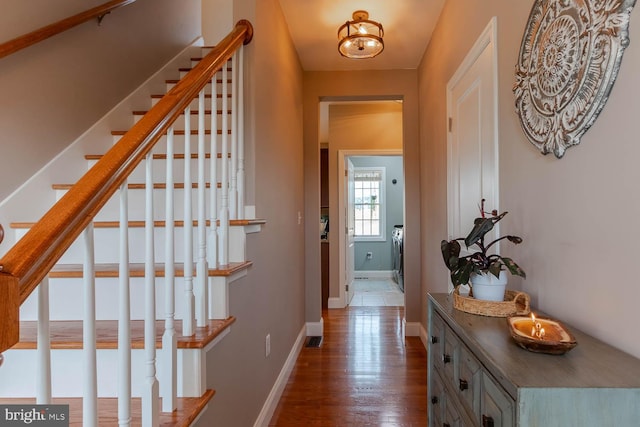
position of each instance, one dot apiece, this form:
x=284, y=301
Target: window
x=369, y=215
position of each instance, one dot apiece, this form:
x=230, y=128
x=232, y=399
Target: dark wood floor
x=362, y=375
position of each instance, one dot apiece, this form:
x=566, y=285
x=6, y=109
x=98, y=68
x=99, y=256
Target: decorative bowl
x=556, y=339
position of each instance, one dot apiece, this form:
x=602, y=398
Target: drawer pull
x=464, y=385
x=434, y=340
x=487, y=421
x=446, y=358
x=434, y=400
x=446, y=425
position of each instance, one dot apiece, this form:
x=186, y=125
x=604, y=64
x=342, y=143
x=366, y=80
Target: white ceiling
x=407, y=24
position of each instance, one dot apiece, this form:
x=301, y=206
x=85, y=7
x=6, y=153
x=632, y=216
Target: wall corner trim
x=315, y=329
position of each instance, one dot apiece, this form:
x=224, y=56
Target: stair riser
x=207, y=88
x=180, y=125
x=107, y=243
x=18, y=373
x=66, y=298
x=178, y=143
x=195, y=103
x=159, y=166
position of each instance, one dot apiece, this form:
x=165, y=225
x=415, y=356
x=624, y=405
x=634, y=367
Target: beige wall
x=356, y=127
x=349, y=85
x=53, y=91
x=577, y=215
x=270, y=299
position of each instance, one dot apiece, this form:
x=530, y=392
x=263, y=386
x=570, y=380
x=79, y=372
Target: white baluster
x=212, y=246
x=43, y=387
x=223, y=229
x=150, y=393
x=241, y=172
x=202, y=300
x=90, y=389
x=188, y=322
x=168, y=386
x=124, y=315
x=233, y=189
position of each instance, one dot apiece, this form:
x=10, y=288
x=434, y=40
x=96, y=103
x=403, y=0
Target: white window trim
x=383, y=205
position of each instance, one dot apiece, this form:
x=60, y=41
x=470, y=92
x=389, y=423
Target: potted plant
x=485, y=271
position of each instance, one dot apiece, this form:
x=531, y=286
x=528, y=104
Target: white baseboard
x=424, y=337
x=373, y=274
x=335, y=302
x=411, y=329
x=315, y=329
x=271, y=403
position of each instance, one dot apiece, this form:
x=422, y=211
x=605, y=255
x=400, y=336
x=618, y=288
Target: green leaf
x=494, y=268
x=450, y=253
x=513, y=267
x=482, y=226
x=461, y=275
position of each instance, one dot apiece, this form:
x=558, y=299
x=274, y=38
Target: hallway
x=362, y=374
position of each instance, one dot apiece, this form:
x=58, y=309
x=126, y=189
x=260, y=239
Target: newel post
x=9, y=311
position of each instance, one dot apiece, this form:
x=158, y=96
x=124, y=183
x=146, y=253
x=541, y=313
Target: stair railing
x=27, y=264
x=26, y=40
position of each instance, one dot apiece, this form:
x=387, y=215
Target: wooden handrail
x=31, y=258
x=24, y=41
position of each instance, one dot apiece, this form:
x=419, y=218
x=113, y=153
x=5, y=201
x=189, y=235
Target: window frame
x=382, y=237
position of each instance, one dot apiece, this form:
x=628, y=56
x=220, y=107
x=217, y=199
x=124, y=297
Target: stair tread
x=67, y=334
x=188, y=409
x=159, y=156
x=139, y=224
x=140, y=186
x=208, y=96
x=175, y=132
x=137, y=270
x=193, y=112
x=174, y=81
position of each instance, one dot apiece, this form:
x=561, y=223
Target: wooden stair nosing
x=140, y=186
x=207, y=96
x=112, y=270
x=174, y=81
x=67, y=334
x=188, y=409
x=194, y=156
x=140, y=224
x=187, y=69
x=193, y=112
x=175, y=132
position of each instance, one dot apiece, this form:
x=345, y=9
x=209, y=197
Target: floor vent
x=314, y=342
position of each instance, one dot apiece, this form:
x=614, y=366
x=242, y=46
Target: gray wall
x=381, y=251
x=270, y=299
x=53, y=91
x=578, y=215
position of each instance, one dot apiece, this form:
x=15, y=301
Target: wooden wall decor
x=569, y=59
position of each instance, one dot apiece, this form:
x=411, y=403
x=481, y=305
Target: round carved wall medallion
x=569, y=59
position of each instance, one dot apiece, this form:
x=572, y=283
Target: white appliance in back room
x=397, y=254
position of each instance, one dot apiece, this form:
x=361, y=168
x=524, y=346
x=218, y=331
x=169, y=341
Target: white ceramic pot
x=489, y=287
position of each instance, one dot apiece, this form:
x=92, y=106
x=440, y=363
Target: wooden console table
x=478, y=376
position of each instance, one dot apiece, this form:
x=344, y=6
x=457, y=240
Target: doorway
x=356, y=128
x=374, y=210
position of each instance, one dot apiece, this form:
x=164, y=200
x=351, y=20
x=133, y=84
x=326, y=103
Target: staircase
x=124, y=319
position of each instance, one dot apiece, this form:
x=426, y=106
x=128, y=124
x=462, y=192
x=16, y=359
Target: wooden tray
x=515, y=303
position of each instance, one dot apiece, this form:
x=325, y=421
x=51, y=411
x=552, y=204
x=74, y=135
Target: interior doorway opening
x=364, y=130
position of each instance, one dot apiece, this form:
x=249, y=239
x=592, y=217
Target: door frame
x=342, y=220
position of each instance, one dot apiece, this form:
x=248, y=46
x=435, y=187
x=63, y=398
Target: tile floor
x=377, y=293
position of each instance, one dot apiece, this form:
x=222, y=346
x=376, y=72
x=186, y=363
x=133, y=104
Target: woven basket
x=514, y=303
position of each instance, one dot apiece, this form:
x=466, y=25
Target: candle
x=537, y=331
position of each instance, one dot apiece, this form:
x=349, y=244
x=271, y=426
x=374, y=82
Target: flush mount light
x=360, y=38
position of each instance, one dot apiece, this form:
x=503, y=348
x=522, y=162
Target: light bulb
x=362, y=29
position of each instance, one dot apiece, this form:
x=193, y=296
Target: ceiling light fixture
x=360, y=38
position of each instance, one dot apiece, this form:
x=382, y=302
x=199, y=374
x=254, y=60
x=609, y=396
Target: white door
x=473, y=138
x=350, y=233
